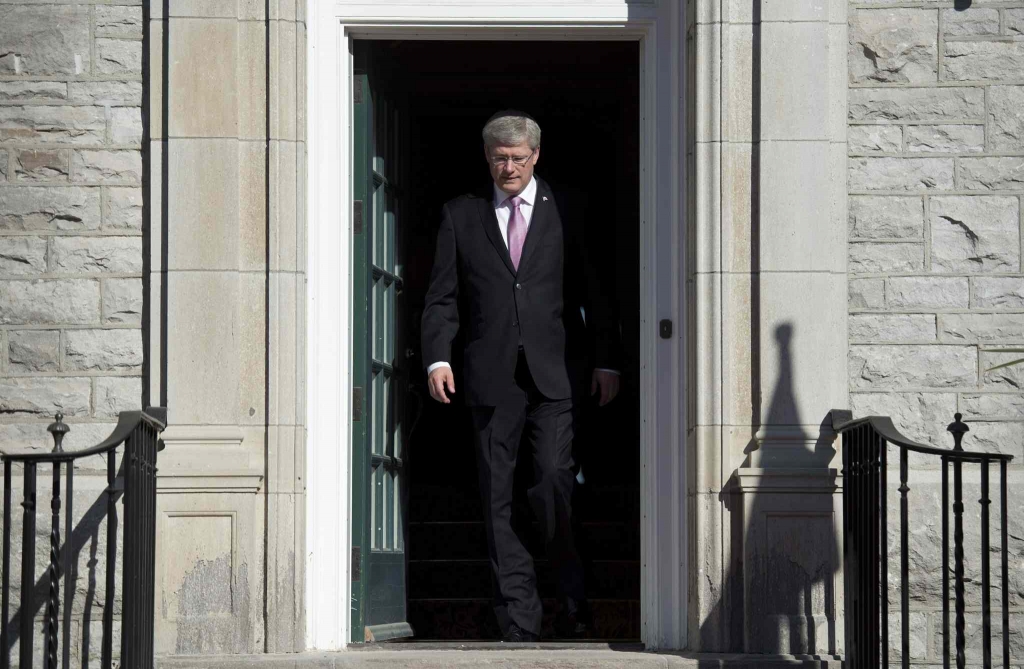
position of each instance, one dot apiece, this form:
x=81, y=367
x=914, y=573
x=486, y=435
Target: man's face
x=509, y=176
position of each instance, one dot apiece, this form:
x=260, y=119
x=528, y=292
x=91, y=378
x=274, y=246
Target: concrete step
x=496, y=656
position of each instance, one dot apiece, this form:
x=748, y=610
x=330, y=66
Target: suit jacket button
x=519, y=286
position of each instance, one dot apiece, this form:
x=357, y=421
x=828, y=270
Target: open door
x=381, y=382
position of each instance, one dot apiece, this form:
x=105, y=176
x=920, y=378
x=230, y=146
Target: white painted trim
x=658, y=26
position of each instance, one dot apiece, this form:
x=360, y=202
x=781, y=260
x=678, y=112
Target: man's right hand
x=438, y=380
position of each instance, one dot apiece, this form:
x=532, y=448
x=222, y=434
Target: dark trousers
x=545, y=427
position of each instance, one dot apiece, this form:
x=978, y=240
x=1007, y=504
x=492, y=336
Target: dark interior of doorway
x=585, y=96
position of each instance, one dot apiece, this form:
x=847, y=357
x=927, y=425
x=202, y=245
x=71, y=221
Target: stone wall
x=936, y=284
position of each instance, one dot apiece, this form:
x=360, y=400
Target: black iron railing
x=866, y=444
x=136, y=480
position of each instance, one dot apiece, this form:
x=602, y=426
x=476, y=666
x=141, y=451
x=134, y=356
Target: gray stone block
x=124, y=209
x=893, y=45
x=22, y=255
x=875, y=139
x=126, y=125
x=975, y=234
x=866, y=293
x=41, y=164
x=1006, y=121
x=918, y=636
x=117, y=255
x=982, y=328
x=992, y=173
x=50, y=302
x=880, y=217
x=982, y=61
x=999, y=292
x=116, y=394
x=927, y=366
x=1005, y=378
x=892, y=327
x=974, y=638
x=106, y=92
x=921, y=416
x=117, y=166
x=4, y=160
x=122, y=301
x=103, y=350
x=118, y=56
x=900, y=174
x=970, y=22
x=945, y=138
x=33, y=351
x=45, y=396
x=882, y=258
x=19, y=91
x=52, y=124
x=1014, y=21
x=119, y=20
x=996, y=437
x=45, y=40
x=919, y=292
x=53, y=208
x=916, y=104
x=999, y=406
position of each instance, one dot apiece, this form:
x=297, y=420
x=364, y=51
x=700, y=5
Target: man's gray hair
x=510, y=128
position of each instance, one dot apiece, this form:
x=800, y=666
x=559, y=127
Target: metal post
x=28, y=565
x=958, y=428
x=986, y=577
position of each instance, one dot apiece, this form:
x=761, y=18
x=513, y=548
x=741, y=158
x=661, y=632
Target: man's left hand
x=605, y=383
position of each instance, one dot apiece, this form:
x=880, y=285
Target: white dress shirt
x=503, y=211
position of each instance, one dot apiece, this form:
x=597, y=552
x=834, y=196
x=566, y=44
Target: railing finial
x=58, y=429
x=958, y=428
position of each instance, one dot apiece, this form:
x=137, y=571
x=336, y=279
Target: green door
x=381, y=383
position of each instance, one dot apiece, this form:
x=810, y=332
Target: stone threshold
x=550, y=655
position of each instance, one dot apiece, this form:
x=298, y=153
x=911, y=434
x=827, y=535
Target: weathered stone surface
x=881, y=258
x=893, y=45
x=975, y=234
x=921, y=416
x=891, y=327
x=44, y=40
x=118, y=56
x=996, y=437
x=119, y=20
x=103, y=350
x=32, y=436
x=126, y=125
x=881, y=217
x=1006, y=118
x=61, y=208
x=982, y=327
x=33, y=351
x=945, y=138
x=51, y=301
x=992, y=173
x=1010, y=377
x=867, y=293
x=921, y=292
x=4, y=159
x=983, y=61
x=124, y=209
x=22, y=255
x=119, y=255
x=40, y=123
x=918, y=635
x=116, y=394
x=974, y=631
x=45, y=396
x=928, y=366
x=875, y=139
x=916, y=104
x=1014, y=21
x=992, y=405
x=101, y=166
x=999, y=292
x=106, y=92
x=41, y=164
x=11, y=91
x=122, y=301
x=973, y=21
x=900, y=174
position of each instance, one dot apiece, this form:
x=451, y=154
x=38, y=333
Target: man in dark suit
x=533, y=318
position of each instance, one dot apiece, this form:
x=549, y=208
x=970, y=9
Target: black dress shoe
x=574, y=621
x=517, y=634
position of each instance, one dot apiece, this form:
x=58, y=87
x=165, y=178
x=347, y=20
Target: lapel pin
x=544, y=197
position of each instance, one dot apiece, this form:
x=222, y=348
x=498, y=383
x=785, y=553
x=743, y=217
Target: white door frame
x=658, y=26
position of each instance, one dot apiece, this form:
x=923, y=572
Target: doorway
x=416, y=517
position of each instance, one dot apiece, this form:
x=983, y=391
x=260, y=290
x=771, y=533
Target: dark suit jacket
x=538, y=305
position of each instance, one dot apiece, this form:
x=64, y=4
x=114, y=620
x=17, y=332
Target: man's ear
x=536, y=155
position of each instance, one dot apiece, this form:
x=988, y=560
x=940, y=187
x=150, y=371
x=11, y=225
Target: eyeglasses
x=518, y=161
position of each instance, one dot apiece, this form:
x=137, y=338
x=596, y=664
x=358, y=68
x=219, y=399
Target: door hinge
x=665, y=328
x=357, y=403
x=357, y=217
x=356, y=563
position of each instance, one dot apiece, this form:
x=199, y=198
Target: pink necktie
x=516, y=231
